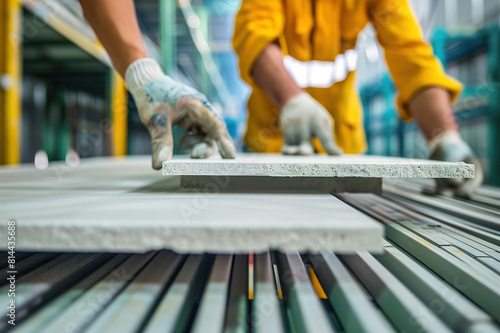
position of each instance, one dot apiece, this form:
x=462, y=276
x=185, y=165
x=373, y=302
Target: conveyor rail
x=439, y=272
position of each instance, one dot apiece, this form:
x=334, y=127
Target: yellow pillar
x=119, y=115
x=10, y=81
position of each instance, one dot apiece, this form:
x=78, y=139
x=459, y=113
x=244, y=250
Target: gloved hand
x=303, y=118
x=450, y=147
x=163, y=102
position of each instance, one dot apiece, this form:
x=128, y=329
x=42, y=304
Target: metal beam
x=10, y=85
x=119, y=110
x=59, y=18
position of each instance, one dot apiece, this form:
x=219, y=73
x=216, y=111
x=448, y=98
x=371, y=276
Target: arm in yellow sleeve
x=410, y=59
x=257, y=24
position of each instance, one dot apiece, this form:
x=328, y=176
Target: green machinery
x=474, y=58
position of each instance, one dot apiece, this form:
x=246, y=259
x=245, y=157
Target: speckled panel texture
x=273, y=165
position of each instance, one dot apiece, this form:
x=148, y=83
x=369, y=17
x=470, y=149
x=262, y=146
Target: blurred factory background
x=60, y=100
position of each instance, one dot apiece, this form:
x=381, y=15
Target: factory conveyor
x=439, y=272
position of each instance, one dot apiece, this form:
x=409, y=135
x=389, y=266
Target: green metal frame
x=168, y=33
x=450, y=47
x=205, y=83
x=56, y=137
x=384, y=88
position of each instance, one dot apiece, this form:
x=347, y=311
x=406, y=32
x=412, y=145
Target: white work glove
x=303, y=118
x=450, y=147
x=163, y=102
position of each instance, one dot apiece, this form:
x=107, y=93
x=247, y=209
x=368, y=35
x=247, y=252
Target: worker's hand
x=303, y=118
x=450, y=147
x=163, y=102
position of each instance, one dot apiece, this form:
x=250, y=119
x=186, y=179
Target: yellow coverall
x=320, y=30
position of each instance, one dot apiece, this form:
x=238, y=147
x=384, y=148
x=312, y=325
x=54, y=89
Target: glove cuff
x=141, y=72
x=443, y=138
x=298, y=99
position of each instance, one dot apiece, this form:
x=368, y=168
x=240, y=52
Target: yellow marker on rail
x=278, y=283
x=317, y=286
x=250, y=275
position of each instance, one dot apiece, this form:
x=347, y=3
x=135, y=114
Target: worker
x=162, y=102
x=299, y=57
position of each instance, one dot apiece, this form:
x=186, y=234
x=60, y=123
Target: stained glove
x=450, y=147
x=163, y=102
x=303, y=118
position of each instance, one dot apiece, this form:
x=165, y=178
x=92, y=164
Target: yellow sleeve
x=410, y=59
x=257, y=24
